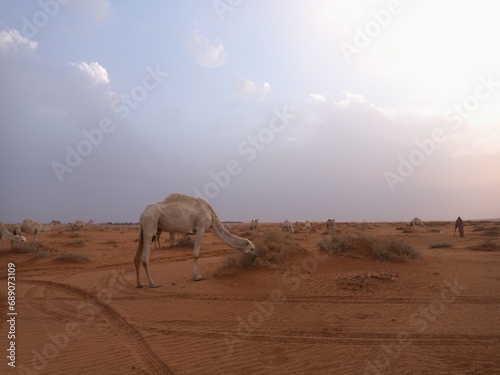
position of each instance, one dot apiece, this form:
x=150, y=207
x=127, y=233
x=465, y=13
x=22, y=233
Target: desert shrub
x=488, y=245
x=42, y=255
x=73, y=257
x=273, y=248
x=384, y=249
x=492, y=231
x=27, y=247
x=184, y=241
x=335, y=244
x=394, y=250
x=437, y=245
x=478, y=228
x=76, y=243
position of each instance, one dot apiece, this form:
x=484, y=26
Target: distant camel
x=254, y=223
x=287, y=226
x=416, y=221
x=183, y=214
x=33, y=227
x=10, y=236
x=47, y=227
x=330, y=223
x=78, y=224
x=307, y=226
x=459, y=223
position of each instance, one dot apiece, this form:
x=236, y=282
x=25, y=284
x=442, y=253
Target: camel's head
x=22, y=239
x=249, y=248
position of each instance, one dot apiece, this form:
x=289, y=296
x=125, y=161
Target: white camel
x=287, y=226
x=254, y=223
x=183, y=214
x=330, y=223
x=307, y=226
x=33, y=227
x=418, y=222
x=10, y=236
x=80, y=224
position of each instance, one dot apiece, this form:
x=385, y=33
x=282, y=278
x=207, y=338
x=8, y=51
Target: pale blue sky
x=354, y=110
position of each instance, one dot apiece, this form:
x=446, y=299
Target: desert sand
x=318, y=313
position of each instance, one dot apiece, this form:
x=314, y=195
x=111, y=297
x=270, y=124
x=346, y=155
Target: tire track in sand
x=151, y=363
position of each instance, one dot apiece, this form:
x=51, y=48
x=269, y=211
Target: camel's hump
x=178, y=197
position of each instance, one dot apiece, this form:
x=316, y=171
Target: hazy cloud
x=246, y=88
x=208, y=53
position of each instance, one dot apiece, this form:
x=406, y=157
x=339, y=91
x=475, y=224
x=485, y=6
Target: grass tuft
x=488, y=245
x=438, y=245
x=76, y=243
x=73, y=257
x=394, y=250
x=384, y=249
x=273, y=248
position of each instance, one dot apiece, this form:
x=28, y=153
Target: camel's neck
x=10, y=236
x=225, y=236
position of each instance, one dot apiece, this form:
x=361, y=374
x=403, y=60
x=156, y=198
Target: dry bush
x=42, y=255
x=394, y=250
x=73, y=257
x=437, y=245
x=273, y=248
x=336, y=244
x=76, y=243
x=384, y=249
x=487, y=245
x=492, y=232
x=27, y=247
x=184, y=241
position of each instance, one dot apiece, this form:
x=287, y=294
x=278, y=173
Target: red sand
x=317, y=314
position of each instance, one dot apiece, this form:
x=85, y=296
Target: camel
x=33, y=227
x=254, y=223
x=330, y=223
x=459, y=223
x=287, y=226
x=416, y=221
x=307, y=226
x=10, y=236
x=80, y=224
x=187, y=215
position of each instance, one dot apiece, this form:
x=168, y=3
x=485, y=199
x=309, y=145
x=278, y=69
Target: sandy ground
x=319, y=313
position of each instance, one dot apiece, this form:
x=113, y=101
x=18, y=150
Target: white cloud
x=350, y=98
x=12, y=38
x=94, y=71
x=246, y=88
x=208, y=53
x=318, y=97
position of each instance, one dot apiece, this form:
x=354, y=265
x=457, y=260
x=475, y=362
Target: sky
x=269, y=109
